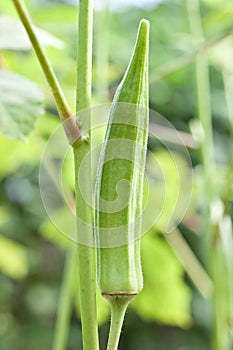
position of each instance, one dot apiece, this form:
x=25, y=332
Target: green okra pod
x=119, y=188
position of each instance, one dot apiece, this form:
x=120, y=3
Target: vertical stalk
x=227, y=199
x=102, y=51
x=84, y=55
x=65, y=301
x=212, y=236
x=203, y=101
x=118, y=310
x=228, y=85
x=86, y=254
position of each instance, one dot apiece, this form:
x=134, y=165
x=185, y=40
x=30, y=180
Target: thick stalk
x=65, y=301
x=86, y=253
x=71, y=128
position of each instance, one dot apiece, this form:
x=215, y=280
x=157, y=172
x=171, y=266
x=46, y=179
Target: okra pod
x=121, y=167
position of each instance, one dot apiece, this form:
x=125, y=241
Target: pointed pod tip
x=143, y=33
x=144, y=25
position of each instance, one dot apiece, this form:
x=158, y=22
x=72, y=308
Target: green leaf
x=20, y=104
x=13, y=258
x=165, y=297
x=18, y=154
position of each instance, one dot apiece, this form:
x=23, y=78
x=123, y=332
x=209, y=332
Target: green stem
x=102, y=52
x=86, y=252
x=71, y=128
x=212, y=236
x=221, y=340
x=203, y=98
x=227, y=200
x=119, y=304
x=84, y=56
x=65, y=301
x=227, y=194
x=190, y=263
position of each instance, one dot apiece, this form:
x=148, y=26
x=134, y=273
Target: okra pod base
x=119, y=299
x=119, y=296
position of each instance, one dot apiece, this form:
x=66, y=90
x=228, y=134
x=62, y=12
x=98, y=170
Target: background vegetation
x=176, y=309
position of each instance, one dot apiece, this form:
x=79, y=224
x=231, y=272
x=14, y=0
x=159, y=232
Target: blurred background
x=187, y=302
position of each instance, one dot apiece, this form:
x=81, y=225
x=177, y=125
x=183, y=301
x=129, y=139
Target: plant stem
x=190, y=263
x=86, y=253
x=102, y=51
x=203, y=99
x=65, y=301
x=84, y=56
x=227, y=194
x=212, y=234
x=119, y=304
x=72, y=130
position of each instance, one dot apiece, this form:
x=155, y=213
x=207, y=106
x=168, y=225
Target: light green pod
x=121, y=172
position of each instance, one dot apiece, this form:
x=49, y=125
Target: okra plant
x=119, y=267
x=117, y=227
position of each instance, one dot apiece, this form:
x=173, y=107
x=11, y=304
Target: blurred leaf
x=165, y=297
x=170, y=184
x=14, y=37
x=18, y=153
x=50, y=232
x=13, y=258
x=4, y=214
x=20, y=104
x=222, y=55
x=46, y=299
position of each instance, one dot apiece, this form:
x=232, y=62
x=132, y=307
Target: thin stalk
x=227, y=199
x=190, y=263
x=227, y=195
x=102, y=51
x=71, y=128
x=84, y=55
x=222, y=278
x=65, y=301
x=119, y=306
x=203, y=98
x=221, y=252
x=86, y=253
x=212, y=237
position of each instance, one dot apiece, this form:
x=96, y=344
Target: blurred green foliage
x=170, y=313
